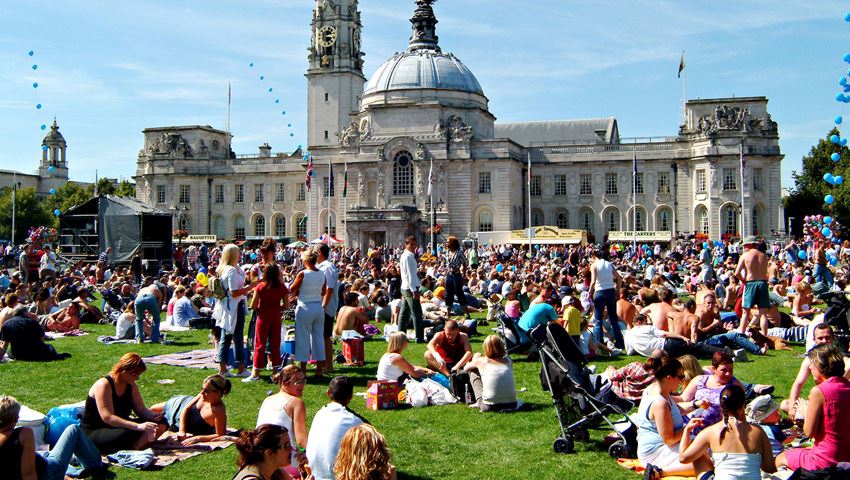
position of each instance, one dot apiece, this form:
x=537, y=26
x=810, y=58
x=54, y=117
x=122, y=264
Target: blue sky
x=108, y=69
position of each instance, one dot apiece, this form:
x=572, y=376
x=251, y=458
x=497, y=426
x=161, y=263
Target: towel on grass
x=166, y=453
x=190, y=359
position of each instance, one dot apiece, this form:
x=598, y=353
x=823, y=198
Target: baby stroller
x=581, y=400
x=837, y=314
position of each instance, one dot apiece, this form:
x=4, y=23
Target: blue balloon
x=846, y=57
x=31, y=53
x=801, y=255
x=251, y=64
x=704, y=244
x=837, y=180
x=291, y=134
x=499, y=268
x=43, y=126
x=829, y=199
x=827, y=177
x=203, y=270
x=842, y=81
x=270, y=90
x=35, y=67
x=38, y=106
x=51, y=168
x=253, y=256
x=826, y=231
x=276, y=100
x=827, y=220
x=289, y=125
x=35, y=85
x=839, y=97
x=718, y=243
x=283, y=112
x=299, y=147
x=843, y=142
x=56, y=212
x=847, y=88
x=834, y=138
x=44, y=147
x=53, y=191
x=835, y=157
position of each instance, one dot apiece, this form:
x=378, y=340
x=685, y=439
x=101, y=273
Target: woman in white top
x=393, y=366
x=229, y=312
x=739, y=449
x=603, y=291
x=309, y=288
x=492, y=377
x=286, y=408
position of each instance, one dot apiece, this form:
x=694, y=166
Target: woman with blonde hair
x=364, y=455
x=802, y=305
x=229, y=312
x=692, y=368
x=287, y=409
x=110, y=402
x=393, y=366
x=492, y=377
x=309, y=288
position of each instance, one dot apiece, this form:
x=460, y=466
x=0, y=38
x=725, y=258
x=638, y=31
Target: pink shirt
x=512, y=309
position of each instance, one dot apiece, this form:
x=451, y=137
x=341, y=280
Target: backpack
x=217, y=288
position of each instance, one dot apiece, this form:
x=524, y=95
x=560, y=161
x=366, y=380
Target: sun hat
x=760, y=408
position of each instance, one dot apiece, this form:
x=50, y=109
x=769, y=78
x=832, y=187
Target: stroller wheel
x=618, y=450
x=564, y=445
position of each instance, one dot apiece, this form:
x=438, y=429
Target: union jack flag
x=309, y=171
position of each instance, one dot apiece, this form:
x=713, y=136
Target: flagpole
x=529, y=234
x=684, y=90
x=743, y=230
x=433, y=212
x=330, y=185
x=14, y=190
x=344, y=200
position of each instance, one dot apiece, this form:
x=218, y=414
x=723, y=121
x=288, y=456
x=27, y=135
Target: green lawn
x=449, y=442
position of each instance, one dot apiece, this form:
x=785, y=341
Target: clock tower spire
x=335, y=73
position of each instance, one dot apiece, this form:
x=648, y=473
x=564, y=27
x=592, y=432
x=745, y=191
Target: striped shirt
x=456, y=260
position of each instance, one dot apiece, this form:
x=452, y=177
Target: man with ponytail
x=739, y=450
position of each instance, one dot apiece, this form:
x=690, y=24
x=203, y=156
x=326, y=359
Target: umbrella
x=298, y=244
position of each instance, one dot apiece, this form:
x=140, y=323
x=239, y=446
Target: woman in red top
x=271, y=297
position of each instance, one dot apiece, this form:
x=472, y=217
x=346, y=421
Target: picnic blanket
x=167, y=453
x=635, y=465
x=72, y=333
x=191, y=359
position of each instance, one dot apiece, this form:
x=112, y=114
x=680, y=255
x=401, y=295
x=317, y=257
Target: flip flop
x=652, y=472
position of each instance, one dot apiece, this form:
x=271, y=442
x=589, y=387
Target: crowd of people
x=674, y=304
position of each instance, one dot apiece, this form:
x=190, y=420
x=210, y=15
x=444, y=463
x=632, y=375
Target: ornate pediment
x=172, y=144
x=727, y=118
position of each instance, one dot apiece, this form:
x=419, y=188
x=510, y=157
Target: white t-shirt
x=645, y=339
x=125, y=322
x=329, y=426
x=387, y=370
x=273, y=412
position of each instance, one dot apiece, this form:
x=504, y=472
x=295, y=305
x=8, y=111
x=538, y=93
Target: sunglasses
x=303, y=381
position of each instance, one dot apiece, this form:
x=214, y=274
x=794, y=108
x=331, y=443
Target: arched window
x=536, y=217
x=403, y=173
x=664, y=220
x=585, y=220
x=300, y=226
x=611, y=219
x=332, y=220
x=729, y=220
x=219, y=227
x=702, y=220
x=239, y=227
x=280, y=226
x=757, y=220
x=562, y=218
x=637, y=217
x=260, y=226
x=485, y=220
x=185, y=222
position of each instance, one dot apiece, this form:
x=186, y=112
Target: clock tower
x=335, y=74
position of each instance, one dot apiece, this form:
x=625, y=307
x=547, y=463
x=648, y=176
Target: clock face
x=327, y=36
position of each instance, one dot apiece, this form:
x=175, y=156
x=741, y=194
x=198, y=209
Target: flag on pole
x=309, y=170
x=634, y=165
x=681, y=65
x=743, y=165
x=303, y=221
x=430, y=179
x=331, y=180
x=345, y=181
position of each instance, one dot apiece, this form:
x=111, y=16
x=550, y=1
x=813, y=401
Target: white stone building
x=423, y=107
x=52, y=172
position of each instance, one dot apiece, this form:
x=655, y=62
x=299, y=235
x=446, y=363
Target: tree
x=126, y=189
x=807, y=196
x=30, y=212
x=67, y=197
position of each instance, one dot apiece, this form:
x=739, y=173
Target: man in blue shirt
x=537, y=314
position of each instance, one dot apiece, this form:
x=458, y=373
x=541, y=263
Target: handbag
x=462, y=387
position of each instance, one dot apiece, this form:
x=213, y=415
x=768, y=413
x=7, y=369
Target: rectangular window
x=560, y=185
x=536, y=189
x=701, y=181
x=757, y=179
x=610, y=184
x=585, y=184
x=484, y=185
x=219, y=194
x=258, y=193
x=184, y=194
x=663, y=182
x=160, y=194
x=239, y=197
x=639, y=183
x=278, y=197
x=325, y=188
x=302, y=194
x=730, y=176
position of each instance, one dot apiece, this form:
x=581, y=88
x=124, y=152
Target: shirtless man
x=707, y=328
x=752, y=269
x=659, y=312
x=626, y=311
x=349, y=317
x=682, y=323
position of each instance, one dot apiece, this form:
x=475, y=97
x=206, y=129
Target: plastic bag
x=438, y=394
x=389, y=330
x=416, y=394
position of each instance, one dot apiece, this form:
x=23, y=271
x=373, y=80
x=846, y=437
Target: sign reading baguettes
x=647, y=236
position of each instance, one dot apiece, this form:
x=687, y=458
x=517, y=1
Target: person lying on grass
x=201, y=418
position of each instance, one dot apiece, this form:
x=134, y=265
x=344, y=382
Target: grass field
x=448, y=442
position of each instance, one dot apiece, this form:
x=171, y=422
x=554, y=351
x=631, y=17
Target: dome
x=54, y=137
x=423, y=69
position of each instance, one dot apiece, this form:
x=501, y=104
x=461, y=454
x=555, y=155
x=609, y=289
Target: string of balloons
x=40, y=107
x=277, y=102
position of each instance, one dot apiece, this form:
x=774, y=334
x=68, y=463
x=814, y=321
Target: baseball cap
x=760, y=408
